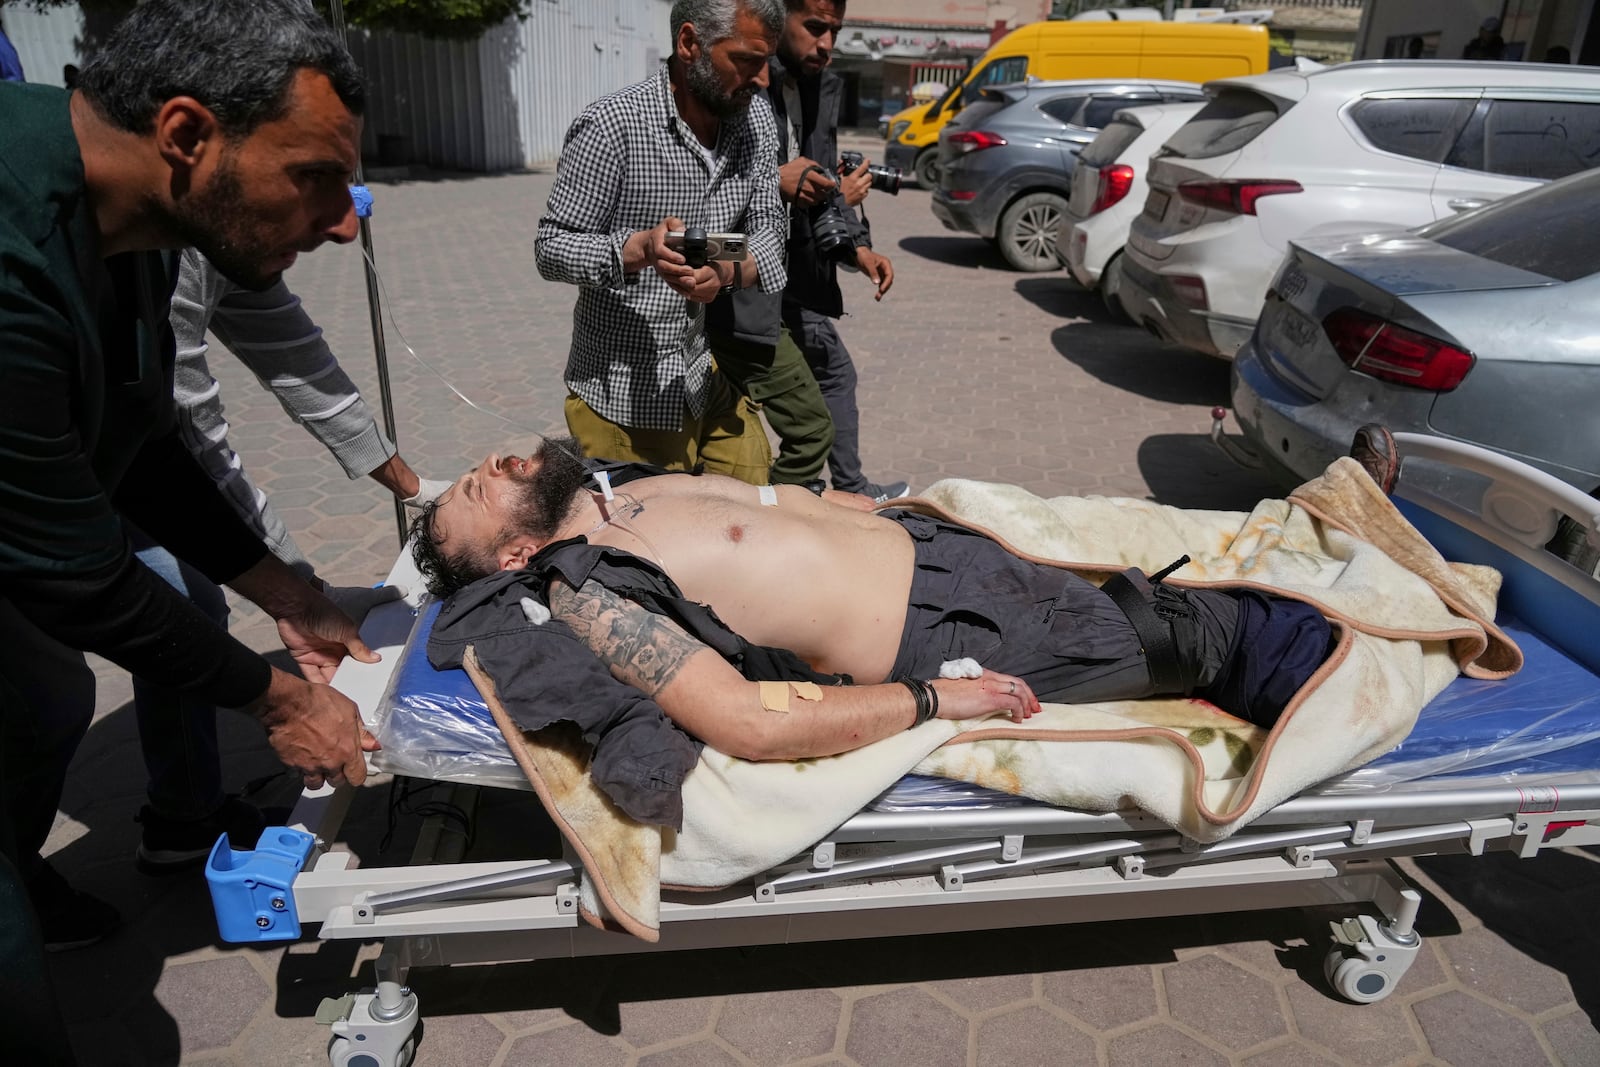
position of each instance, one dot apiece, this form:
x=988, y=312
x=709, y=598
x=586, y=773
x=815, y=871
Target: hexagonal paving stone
x=1370, y=1034
x=211, y=1000
x=293, y=1041
x=650, y=1022
x=1293, y=1054
x=571, y=1046
x=513, y=1022
x=906, y=1027
x=702, y=1053
x=1033, y=1035
x=1223, y=1001
x=458, y=1041
x=1161, y=1044
x=1465, y=1032
x=1105, y=997
x=782, y=1026
x=1574, y=1039
x=1485, y=962
x=987, y=993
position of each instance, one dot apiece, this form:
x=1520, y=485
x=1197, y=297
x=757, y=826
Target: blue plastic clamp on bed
x=252, y=890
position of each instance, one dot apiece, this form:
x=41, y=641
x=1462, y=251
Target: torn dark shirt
x=544, y=674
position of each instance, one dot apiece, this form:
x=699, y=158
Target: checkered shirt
x=639, y=355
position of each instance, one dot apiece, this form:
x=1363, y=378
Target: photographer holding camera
x=757, y=339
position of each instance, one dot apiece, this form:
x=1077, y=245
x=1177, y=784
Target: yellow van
x=1180, y=51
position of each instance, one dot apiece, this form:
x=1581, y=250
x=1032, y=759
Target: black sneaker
x=68, y=917
x=170, y=845
x=882, y=494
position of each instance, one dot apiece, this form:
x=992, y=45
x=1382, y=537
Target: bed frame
x=891, y=873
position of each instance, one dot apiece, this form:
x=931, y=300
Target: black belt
x=1169, y=672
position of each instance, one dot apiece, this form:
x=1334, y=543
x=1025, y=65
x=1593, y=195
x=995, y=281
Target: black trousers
x=31, y=1027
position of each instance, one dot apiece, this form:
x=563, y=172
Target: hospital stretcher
x=1491, y=766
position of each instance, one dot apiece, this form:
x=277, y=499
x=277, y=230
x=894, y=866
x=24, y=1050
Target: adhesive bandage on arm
x=775, y=695
x=769, y=495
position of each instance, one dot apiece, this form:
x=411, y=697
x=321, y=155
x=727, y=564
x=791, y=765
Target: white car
x=1108, y=189
x=1361, y=147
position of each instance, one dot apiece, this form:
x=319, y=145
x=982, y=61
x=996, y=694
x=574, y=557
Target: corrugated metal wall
x=572, y=52
x=505, y=101
x=45, y=42
x=501, y=102
x=424, y=101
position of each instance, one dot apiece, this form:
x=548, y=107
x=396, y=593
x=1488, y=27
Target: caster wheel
x=1356, y=979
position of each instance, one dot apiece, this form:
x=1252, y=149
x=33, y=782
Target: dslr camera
x=830, y=234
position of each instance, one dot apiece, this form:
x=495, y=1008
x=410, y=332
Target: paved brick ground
x=967, y=369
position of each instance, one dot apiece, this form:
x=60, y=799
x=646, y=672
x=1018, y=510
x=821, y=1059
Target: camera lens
x=885, y=179
x=830, y=234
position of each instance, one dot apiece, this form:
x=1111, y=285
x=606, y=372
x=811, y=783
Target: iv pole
x=374, y=295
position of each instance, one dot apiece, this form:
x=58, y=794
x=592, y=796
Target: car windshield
x=1227, y=123
x=1111, y=143
x=1549, y=230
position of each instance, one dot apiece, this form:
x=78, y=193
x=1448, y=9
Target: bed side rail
x=1518, y=513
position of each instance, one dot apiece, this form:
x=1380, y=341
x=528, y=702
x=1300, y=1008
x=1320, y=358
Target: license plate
x=1155, y=205
x=1290, y=330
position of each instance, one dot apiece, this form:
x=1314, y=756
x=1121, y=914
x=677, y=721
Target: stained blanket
x=1407, y=623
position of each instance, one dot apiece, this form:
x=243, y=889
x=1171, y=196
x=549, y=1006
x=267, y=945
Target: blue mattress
x=1542, y=722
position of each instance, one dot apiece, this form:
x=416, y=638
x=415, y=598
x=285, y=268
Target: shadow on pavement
x=122, y=998
x=1543, y=906
x=1189, y=471
x=965, y=251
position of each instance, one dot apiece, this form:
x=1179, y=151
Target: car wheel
x=926, y=169
x=1111, y=286
x=1028, y=232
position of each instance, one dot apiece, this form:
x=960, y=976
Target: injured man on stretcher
x=703, y=597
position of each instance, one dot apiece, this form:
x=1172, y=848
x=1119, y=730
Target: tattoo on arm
x=642, y=649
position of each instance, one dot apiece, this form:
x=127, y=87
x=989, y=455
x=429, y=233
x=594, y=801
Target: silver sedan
x=1484, y=327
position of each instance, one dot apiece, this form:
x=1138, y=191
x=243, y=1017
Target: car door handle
x=1465, y=203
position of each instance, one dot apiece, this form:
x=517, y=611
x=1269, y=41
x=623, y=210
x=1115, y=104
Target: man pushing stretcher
x=878, y=601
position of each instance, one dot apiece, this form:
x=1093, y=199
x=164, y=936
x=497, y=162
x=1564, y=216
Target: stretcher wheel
x=1357, y=979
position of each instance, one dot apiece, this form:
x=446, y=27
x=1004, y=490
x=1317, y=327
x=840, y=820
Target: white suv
x=1356, y=148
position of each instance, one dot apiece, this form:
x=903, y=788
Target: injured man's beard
x=551, y=492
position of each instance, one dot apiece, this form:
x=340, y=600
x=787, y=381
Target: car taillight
x=964, y=141
x=1115, y=181
x=1238, y=197
x=1395, y=354
x=963, y=194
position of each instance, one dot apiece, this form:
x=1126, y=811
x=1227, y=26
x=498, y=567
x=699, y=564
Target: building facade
x=1529, y=30
x=888, y=47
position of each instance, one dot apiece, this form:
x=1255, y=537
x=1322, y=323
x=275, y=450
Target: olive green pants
x=778, y=378
x=727, y=438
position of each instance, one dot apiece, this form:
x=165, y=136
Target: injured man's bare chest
x=780, y=567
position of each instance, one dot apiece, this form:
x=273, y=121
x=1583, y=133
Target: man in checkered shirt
x=684, y=148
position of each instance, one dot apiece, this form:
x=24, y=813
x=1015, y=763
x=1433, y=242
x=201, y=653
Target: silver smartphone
x=720, y=247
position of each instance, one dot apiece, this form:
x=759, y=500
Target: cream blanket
x=1408, y=623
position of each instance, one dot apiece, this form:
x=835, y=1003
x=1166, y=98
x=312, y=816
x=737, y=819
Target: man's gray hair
x=713, y=19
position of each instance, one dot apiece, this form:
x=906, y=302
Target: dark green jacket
x=87, y=429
